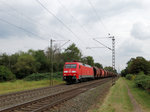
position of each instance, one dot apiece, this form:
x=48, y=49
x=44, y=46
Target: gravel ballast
x=84, y=101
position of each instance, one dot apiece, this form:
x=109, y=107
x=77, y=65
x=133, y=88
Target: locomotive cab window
x=70, y=66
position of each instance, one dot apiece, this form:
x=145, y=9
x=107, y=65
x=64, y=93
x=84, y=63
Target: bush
x=133, y=77
x=141, y=73
x=143, y=81
x=36, y=77
x=42, y=76
x=58, y=75
x=129, y=76
x=6, y=74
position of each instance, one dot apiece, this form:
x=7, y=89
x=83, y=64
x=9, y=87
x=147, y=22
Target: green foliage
x=6, y=74
x=25, y=65
x=124, y=72
x=41, y=59
x=133, y=77
x=142, y=81
x=129, y=76
x=4, y=60
x=98, y=65
x=141, y=96
x=13, y=61
x=109, y=68
x=72, y=53
x=42, y=76
x=137, y=65
x=37, y=76
x=58, y=75
x=141, y=73
x=88, y=60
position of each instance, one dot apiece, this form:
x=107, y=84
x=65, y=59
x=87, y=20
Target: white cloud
x=140, y=31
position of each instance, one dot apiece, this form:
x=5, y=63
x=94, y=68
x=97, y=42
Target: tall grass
x=20, y=85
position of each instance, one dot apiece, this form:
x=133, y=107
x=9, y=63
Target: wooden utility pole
x=51, y=56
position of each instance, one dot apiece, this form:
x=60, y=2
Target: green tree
x=5, y=60
x=13, y=61
x=41, y=59
x=58, y=59
x=88, y=60
x=98, y=65
x=26, y=64
x=109, y=68
x=137, y=65
x=72, y=53
x=124, y=72
x=6, y=74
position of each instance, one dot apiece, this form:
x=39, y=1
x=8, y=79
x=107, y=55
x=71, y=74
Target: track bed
x=46, y=102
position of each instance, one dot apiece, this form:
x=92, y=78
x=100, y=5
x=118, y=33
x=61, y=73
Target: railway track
x=47, y=102
x=13, y=99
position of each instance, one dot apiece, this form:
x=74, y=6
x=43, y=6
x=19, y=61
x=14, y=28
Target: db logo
x=69, y=71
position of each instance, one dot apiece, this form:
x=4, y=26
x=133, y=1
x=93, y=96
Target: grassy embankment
x=20, y=85
x=118, y=100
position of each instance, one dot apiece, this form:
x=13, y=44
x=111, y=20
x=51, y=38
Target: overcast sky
x=25, y=24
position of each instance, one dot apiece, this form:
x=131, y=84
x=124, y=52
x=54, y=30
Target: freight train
x=77, y=72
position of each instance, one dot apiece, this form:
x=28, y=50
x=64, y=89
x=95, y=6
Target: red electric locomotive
x=76, y=71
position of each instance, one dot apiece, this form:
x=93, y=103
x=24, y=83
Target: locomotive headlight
x=73, y=71
x=64, y=74
x=74, y=74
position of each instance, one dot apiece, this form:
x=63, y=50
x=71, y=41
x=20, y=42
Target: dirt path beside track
x=136, y=106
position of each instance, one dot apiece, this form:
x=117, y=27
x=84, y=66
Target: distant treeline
x=22, y=64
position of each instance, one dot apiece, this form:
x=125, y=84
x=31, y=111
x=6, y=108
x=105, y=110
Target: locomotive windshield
x=70, y=66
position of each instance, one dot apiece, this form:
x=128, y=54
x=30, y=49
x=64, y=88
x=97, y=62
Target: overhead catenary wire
x=21, y=28
x=69, y=29
x=81, y=26
x=97, y=15
x=31, y=20
x=58, y=19
x=102, y=44
x=28, y=18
